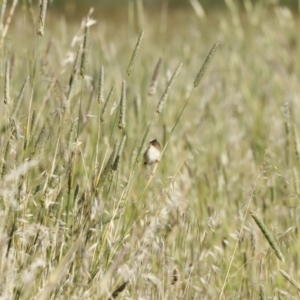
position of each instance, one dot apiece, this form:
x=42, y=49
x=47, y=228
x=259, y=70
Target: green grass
x=82, y=217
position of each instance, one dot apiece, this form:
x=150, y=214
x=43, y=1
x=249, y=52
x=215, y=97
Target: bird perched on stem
x=152, y=154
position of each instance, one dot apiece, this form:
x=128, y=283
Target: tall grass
x=82, y=217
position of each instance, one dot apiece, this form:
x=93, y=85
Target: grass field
x=216, y=218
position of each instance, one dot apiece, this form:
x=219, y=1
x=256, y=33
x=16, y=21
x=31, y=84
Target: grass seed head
x=268, y=236
x=43, y=9
x=116, y=163
x=290, y=279
x=6, y=83
x=105, y=106
x=165, y=95
x=84, y=51
x=122, y=115
x=205, y=64
x=154, y=79
x=106, y=173
x=135, y=53
x=101, y=86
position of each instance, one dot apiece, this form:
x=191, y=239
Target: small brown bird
x=152, y=154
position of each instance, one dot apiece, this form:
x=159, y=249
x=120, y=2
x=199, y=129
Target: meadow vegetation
x=216, y=218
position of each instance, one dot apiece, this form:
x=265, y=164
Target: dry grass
x=81, y=218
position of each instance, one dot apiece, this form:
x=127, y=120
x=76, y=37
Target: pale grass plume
x=268, y=236
x=20, y=170
x=135, y=54
x=87, y=23
x=90, y=22
x=42, y=17
x=205, y=64
x=165, y=95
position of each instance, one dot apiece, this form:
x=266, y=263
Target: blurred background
x=74, y=6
